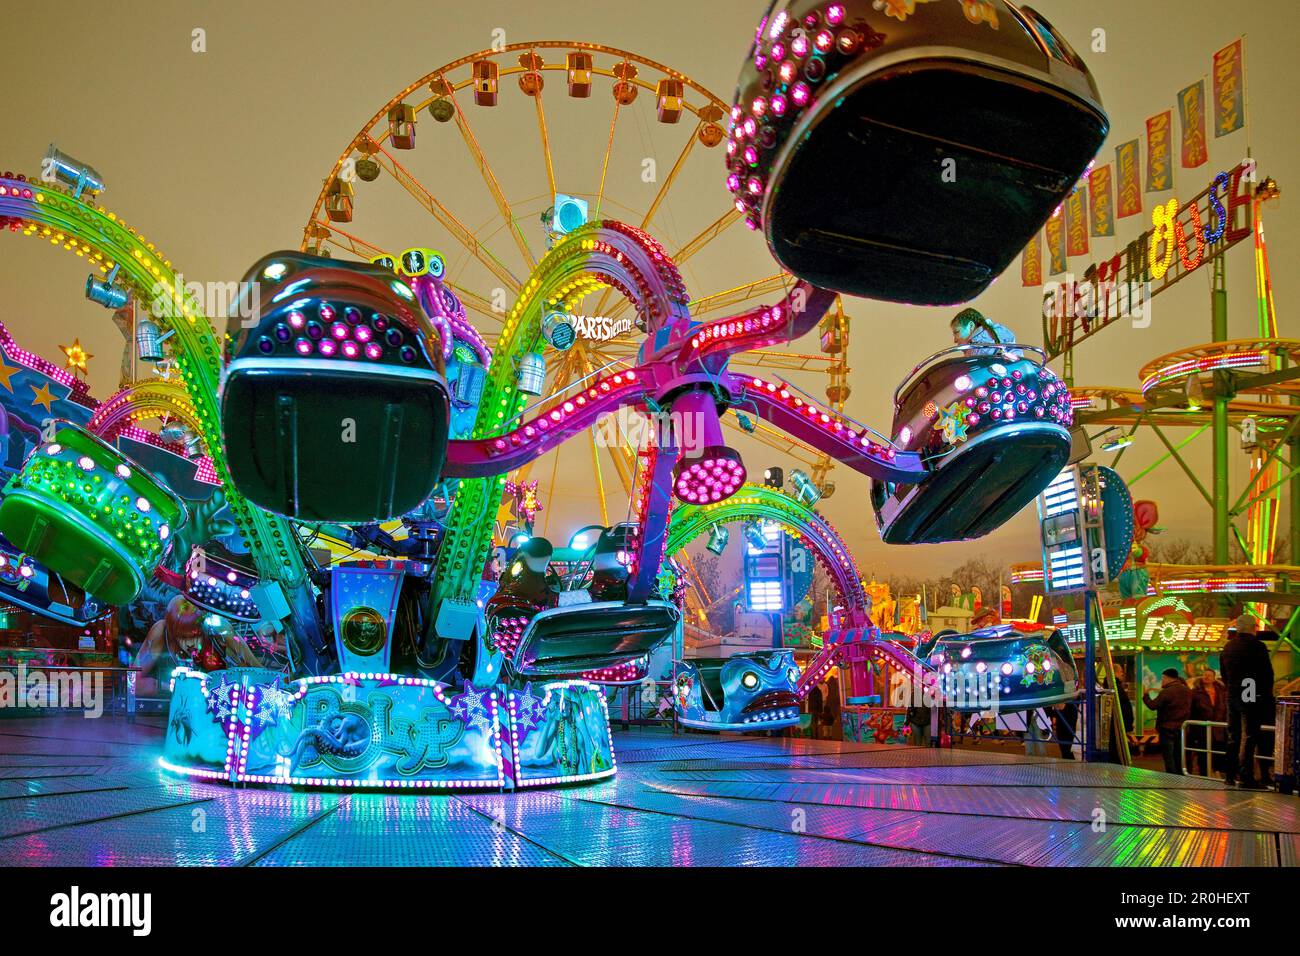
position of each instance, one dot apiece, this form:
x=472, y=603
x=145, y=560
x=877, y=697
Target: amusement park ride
x=361, y=406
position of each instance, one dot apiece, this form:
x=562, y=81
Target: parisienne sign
x=1181, y=240
x=599, y=328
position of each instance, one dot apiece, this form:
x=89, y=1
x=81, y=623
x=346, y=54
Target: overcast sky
x=218, y=156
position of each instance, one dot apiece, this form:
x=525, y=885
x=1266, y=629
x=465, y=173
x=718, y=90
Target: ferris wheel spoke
x=600, y=483
x=672, y=176
x=739, y=295
x=361, y=248
x=459, y=231
x=706, y=235
x=769, y=359
x=490, y=180
x=702, y=597
x=609, y=148
x=472, y=300
x=546, y=140
x=698, y=242
x=654, y=206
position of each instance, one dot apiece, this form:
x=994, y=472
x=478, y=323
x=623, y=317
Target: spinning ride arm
x=603, y=253
x=50, y=213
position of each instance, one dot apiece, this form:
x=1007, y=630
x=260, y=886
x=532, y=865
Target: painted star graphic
x=528, y=707
x=952, y=422
x=472, y=696
x=273, y=702
x=6, y=373
x=219, y=700
x=469, y=708
x=43, y=395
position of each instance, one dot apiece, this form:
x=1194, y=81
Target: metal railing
x=1209, y=750
x=963, y=350
x=630, y=706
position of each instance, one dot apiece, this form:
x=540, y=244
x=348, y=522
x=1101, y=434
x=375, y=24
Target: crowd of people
x=1243, y=700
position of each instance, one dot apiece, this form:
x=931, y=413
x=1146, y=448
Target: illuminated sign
x=1081, y=507
x=1162, y=622
x=1183, y=238
x=765, y=568
x=600, y=328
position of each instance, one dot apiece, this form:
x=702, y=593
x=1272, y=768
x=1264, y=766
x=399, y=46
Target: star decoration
x=43, y=396
x=219, y=700
x=952, y=422
x=77, y=356
x=273, y=702
x=528, y=710
x=6, y=373
x=469, y=708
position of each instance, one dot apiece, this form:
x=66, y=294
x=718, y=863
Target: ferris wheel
x=494, y=156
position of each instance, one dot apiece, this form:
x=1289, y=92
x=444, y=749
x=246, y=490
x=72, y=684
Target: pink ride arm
x=853, y=656
x=825, y=431
x=479, y=458
x=792, y=318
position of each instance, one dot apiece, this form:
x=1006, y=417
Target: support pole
x=1090, y=680
x=1222, y=393
x=1116, y=715
x=1295, y=491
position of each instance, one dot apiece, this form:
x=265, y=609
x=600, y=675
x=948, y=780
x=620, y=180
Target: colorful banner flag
x=1229, y=89
x=1055, y=230
x=1076, y=223
x=1160, y=173
x=1101, y=203
x=1129, y=179
x=1031, y=262
x=1191, y=112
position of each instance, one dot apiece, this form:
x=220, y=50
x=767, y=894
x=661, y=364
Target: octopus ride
x=362, y=404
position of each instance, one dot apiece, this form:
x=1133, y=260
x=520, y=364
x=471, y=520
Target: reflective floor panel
x=89, y=792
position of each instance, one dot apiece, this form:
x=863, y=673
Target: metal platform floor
x=79, y=792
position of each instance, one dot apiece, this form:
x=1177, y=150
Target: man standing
x=1209, y=702
x=1248, y=676
x=1173, y=706
x=1125, y=705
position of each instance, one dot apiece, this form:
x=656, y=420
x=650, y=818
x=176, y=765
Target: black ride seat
x=909, y=160
x=1012, y=437
x=334, y=405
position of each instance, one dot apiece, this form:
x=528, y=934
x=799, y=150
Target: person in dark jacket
x=1248, y=677
x=831, y=710
x=1173, y=706
x=816, y=702
x=1064, y=719
x=1209, y=702
x=1125, y=704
